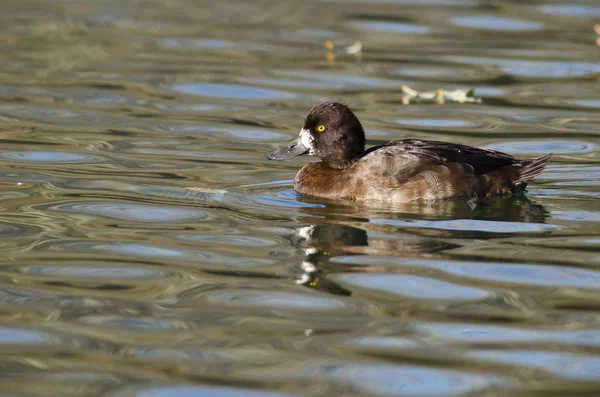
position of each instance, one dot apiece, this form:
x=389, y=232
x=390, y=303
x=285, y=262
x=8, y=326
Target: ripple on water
x=313, y=32
x=310, y=300
x=103, y=98
x=114, y=247
x=195, y=391
x=588, y=103
x=377, y=343
x=477, y=333
x=37, y=156
x=135, y=212
x=77, y=95
x=133, y=323
x=543, y=147
x=518, y=274
x=95, y=272
x=409, y=286
x=444, y=3
x=406, y=380
x=192, y=193
x=391, y=26
x=62, y=116
x=19, y=176
x=286, y=198
x=63, y=383
x=324, y=80
x=156, y=252
x=243, y=134
x=275, y=203
x=230, y=91
x=438, y=123
x=526, y=274
x=573, y=10
x=492, y=22
x=23, y=336
x=193, y=44
x=468, y=225
x=446, y=73
x=535, y=69
x=196, y=354
x=555, y=69
x=12, y=195
x=575, y=242
x=230, y=240
x=201, y=107
x=577, y=216
x=10, y=231
x=181, y=43
x=567, y=365
x=573, y=174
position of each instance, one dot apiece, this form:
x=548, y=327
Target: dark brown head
x=331, y=132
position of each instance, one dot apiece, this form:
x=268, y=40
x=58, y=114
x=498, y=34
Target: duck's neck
x=340, y=164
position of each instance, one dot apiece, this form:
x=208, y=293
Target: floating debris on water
x=330, y=45
x=354, y=49
x=439, y=96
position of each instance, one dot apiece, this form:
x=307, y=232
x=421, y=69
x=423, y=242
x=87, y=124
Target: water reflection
x=361, y=230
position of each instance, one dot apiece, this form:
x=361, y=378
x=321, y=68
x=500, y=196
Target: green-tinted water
x=149, y=248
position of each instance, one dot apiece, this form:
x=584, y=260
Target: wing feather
x=415, y=155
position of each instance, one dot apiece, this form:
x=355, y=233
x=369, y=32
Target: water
x=149, y=248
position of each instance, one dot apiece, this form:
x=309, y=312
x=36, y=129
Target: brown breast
x=318, y=179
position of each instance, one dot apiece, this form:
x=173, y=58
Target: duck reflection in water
x=415, y=231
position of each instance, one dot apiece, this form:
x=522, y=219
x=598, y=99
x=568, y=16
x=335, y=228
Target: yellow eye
x=321, y=128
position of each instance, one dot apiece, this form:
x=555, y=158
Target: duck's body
x=399, y=171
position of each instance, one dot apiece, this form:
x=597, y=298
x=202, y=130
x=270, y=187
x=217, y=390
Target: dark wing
x=434, y=153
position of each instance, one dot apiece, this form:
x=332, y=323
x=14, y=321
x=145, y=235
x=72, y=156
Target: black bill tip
x=293, y=149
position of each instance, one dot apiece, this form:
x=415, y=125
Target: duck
x=399, y=171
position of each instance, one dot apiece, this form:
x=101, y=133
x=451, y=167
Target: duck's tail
x=529, y=169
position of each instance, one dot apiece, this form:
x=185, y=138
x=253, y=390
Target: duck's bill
x=293, y=149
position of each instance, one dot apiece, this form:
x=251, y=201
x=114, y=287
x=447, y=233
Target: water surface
x=149, y=248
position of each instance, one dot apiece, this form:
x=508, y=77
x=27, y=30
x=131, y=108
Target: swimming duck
x=399, y=171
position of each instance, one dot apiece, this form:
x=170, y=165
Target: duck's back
x=408, y=170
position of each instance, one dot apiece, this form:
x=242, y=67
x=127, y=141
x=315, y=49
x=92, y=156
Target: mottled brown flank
x=409, y=170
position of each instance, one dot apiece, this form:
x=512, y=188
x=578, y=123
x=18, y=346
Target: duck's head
x=331, y=132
